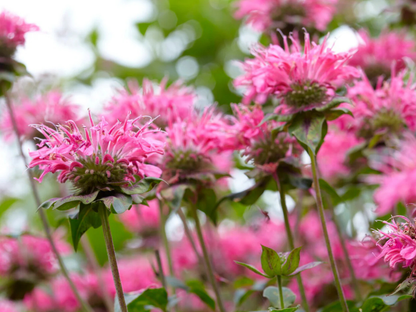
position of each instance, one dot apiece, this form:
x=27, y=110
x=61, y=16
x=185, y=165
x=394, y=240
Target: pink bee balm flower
x=272, y=14
x=376, y=56
x=302, y=81
x=142, y=219
x=257, y=141
x=398, y=170
x=103, y=157
x=8, y=306
x=199, y=146
x=50, y=107
x=168, y=104
x=398, y=246
x=332, y=156
x=12, y=33
x=389, y=108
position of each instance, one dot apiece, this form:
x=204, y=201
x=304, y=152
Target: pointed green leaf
x=137, y=199
x=336, y=307
x=337, y=112
x=380, y=303
x=48, y=204
x=252, y=268
x=197, y=287
x=273, y=295
x=309, y=131
x=335, y=102
x=143, y=186
x=270, y=262
x=85, y=218
x=207, y=203
x=327, y=188
x=310, y=265
x=284, y=310
x=155, y=297
x=292, y=262
x=72, y=201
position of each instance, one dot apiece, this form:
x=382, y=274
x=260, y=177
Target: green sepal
x=273, y=295
x=86, y=217
x=271, y=262
x=292, y=262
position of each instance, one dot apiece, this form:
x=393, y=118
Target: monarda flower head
x=388, y=108
x=258, y=143
x=51, y=107
x=102, y=158
x=168, y=104
x=12, y=33
x=376, y=56
x=398, y=168
x=199, y=147
x=301, y=81
x=398, y=246
x=267, y=15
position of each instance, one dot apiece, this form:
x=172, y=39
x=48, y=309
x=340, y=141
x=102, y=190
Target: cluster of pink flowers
x=51, y=107
x=256, y=139
x=29, y=255
x=398, y=169
x=398, y=246
x=302, y=81
x=105, y=155
x=389, y=107
x=12, y=32
x=268, y=15
x=166, y=104
x=376, y=56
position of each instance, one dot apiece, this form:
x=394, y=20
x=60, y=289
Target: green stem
x=207, y=261
x=165, y=238
x=42, y=214
x=112, y=257
x=159, y=265
x=355, y=283
x=325, y=231
x=289, y=234
x=189, y=236
x=282, y=301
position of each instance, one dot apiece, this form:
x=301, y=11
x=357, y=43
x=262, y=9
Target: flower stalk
x=279, y=283
x=102, y=210
x=42, y=214
x=325, y=232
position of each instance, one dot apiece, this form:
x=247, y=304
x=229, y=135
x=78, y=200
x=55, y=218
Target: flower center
x=187, y=161
x=267, y=151
x=388, y=119
x=303, y=95
x=98, y=175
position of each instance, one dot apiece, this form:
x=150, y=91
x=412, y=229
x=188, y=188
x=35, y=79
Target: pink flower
x=99, y=159
x=399, y=245
x=8, y=306
x=29, y=255
x=271, y=14
x=302, y=81
x=50, y=107
x=388, y=108
x=142, y=219
x=257, y=142
x=398, y=176
x=378, y=55
x=12, y=32
x=166, y=104
x=202, y=145
x=332, y=156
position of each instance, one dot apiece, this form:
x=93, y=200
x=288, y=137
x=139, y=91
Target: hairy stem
x=279, y=283
x=289, y=234
x=207, y=261
x=42, y=214
x=112, y=257
x=325, y=231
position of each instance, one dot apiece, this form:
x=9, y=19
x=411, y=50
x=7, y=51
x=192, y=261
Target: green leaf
x=48, y=204
x=300, y=182
x=335, y=102
x=252, y=268
x=241, y=295
x=337, y=112
x=270, y=262
x=207, y=203
x=309, y=131
x=310, y=265
x=249, y=196
x=337, y=307
x=273, y=295
x=84, y=219
x=379, y=303
x=197, y=287
x=243, y=282
x=277, y=117
x=155, y=297
x=284, y=310
x=143, y=186
x=72, y=201
x=292, y=262
x=327, y=188
x=117, y=204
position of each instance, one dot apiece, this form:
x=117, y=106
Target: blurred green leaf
x=270, y=262
x=273, y=295
x=82, y=221
x=292, y=262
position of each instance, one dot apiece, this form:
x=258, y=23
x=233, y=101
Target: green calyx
x=187, y=162
x=303, y=95
x=385, y=120
x=268, y=151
